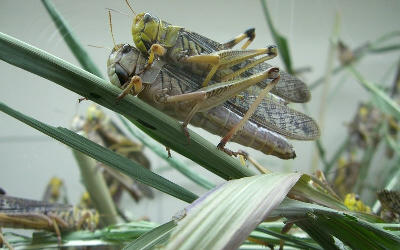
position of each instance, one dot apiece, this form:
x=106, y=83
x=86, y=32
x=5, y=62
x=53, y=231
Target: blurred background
x=29, y=159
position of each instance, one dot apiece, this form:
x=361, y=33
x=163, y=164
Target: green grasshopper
x=216, y=107
x=199, y=54
x=32, y=214
x=101, y=129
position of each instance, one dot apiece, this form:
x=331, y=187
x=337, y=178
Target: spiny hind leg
x=246, y=117
x=228, y=58
x=250, y=34
x=218, y=94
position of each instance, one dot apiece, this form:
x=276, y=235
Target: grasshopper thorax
x=148, y=30
x=145, y=29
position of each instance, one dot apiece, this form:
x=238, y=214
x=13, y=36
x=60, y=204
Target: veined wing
x=9, y=204
x=289, y=87
x=276, y=116
x=271, y=114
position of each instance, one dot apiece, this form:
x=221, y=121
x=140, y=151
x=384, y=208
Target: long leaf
x=81, y=55
x=104, y=155
x=324, y=223
x=388, y=105
x=224, y=217
x=279, y=40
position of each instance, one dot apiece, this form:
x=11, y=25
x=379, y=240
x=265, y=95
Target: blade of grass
x=161, y=152
x=359, y=53
x=325, y=91
x=152, y=238
x=104, y=155
x=225, y=216
x=300, y=243
x=391, y=107
x=281, y=41
x=97, y=188
x=73, y=43
x=323, y=223
x=160, y=126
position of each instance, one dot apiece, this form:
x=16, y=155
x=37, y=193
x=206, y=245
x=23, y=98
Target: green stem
x=96, y=186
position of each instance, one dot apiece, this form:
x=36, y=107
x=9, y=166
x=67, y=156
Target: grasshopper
x=32, y=214
x=101, y=129
x=181, y=95
x=55, y=191
x=199, y=54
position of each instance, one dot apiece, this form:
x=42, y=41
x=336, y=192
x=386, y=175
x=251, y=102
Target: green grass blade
x=225, y=216
x=112, y=235
x=73, y=43
x=323, y=223
x=300, y=243
x=389, y=106
x=158, y=125
x=175, y=163
x=279, y=40
x=152, y=238
x=360, y=52
x=104, y=155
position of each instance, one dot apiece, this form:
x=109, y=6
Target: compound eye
x=122, y=74
x=146, y=17
x=126, y=48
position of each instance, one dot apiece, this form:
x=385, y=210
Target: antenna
x=111, y=30
x=127, y=2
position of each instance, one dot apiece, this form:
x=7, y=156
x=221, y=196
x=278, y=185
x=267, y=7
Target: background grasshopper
x=32, y=214
x=163, y=81
x=99, y=128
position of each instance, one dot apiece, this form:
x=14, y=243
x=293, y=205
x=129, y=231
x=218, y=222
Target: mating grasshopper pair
x=210, y=85
x=32, y=214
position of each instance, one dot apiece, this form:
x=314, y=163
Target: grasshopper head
x=94, y=114
x=145, y=29
x=121, y=64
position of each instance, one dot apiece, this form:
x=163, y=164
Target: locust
x=206, y=57
x=217, y=107
x=101, y=129
x=32, y=214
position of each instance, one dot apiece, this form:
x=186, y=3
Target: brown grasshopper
x=101, y=129
x=32, y=214
x=217, y=107
x=189, y=50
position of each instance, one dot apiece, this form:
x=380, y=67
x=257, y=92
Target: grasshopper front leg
x=216, y=94
x=227, y=58
x=134, y=86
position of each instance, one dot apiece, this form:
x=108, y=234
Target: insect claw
x=243, y=153
x=82, y=99
x=168, y=151
x=186, y=132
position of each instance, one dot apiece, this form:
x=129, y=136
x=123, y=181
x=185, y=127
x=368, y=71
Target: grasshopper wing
x=289, y=87
x=276, y=116
x=9, y=204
